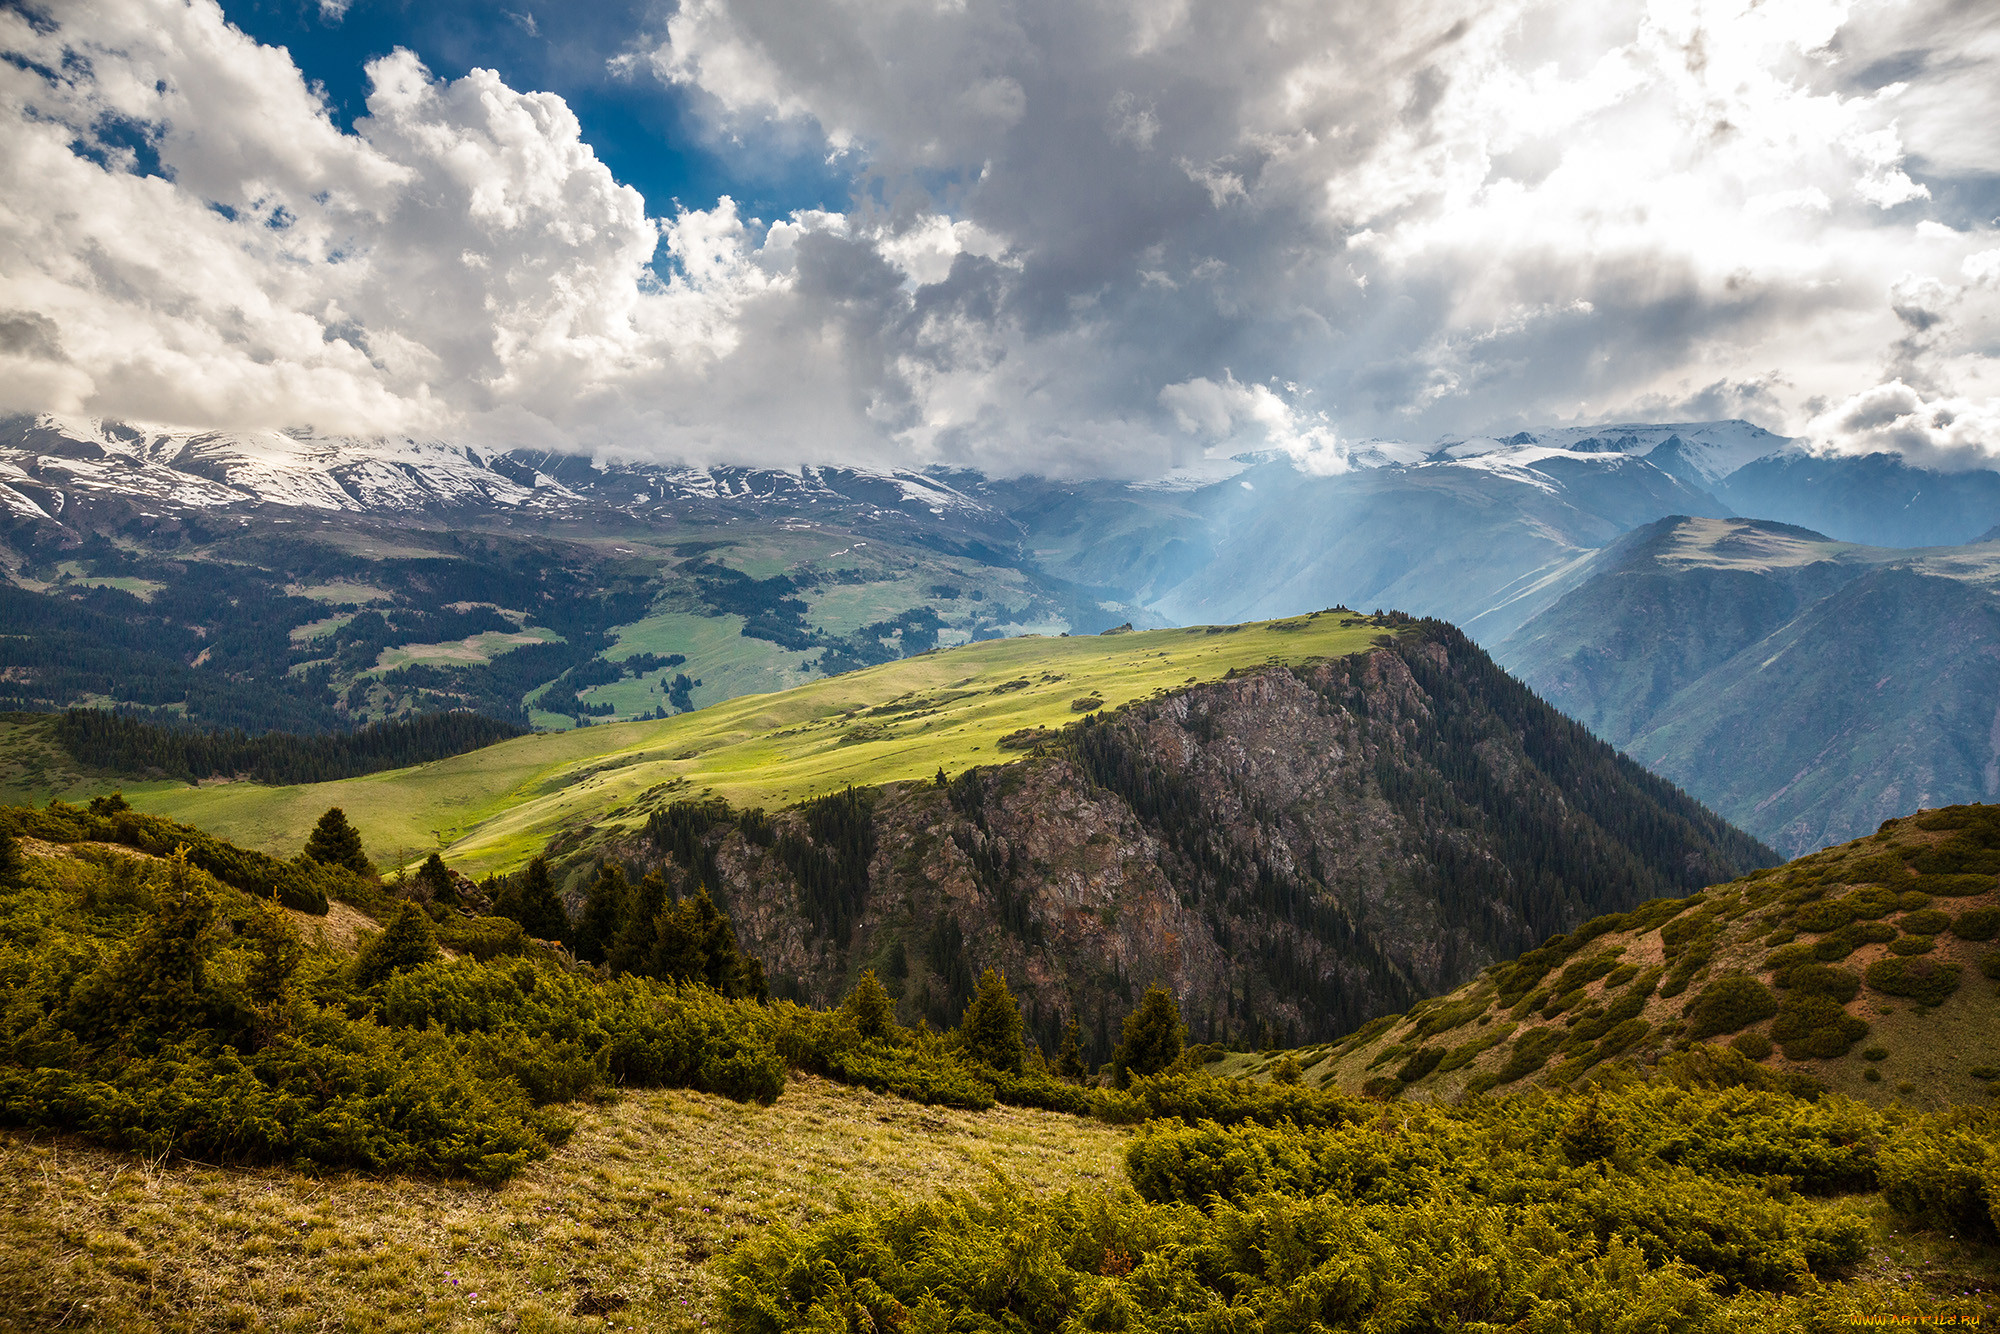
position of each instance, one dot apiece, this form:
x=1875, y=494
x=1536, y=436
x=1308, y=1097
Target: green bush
x=1928, y=922
x=1230, y=1102
x=1813, y=1027
x=1871, y=903
x=1753, y=1045
x=1825, y=915
x=1530, y=1053
x=1499, y=1215
x=1421, y=1063
x=1912, y=945
x=1727, y=1004
x=1923, y=980
x=1818, y=980
x=1955, y=886
x=1943, y=1171
x=1977, y=923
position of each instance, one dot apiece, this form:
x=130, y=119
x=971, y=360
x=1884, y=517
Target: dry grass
x=621, y=1228
x=340, y=929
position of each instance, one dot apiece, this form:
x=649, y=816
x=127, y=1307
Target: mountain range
x=1808, y=689
x=553, y=590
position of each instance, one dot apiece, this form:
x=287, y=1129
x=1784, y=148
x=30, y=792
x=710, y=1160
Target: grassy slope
x=631, y=1208
x=1932, y=1050
x=495, y=807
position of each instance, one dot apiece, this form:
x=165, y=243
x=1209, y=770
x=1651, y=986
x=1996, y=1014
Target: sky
x=1081, y=237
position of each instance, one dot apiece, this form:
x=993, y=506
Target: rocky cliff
x=1292, y=851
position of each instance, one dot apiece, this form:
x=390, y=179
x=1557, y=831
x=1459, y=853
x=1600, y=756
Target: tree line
x=128, y=745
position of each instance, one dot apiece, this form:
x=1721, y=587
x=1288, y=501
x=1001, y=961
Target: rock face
x=1291, y=851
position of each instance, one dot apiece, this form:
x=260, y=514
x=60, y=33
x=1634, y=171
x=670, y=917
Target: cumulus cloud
x=1103, y=237
x=1945, y=432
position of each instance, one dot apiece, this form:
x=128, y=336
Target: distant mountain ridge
x=1808, y=689
x=48, y=463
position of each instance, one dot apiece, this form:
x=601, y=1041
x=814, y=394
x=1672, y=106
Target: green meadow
x=494, y=808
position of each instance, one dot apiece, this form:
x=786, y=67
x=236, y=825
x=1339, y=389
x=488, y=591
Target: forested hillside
x=1291, y=851
x=126, y=745
x=522, y=1139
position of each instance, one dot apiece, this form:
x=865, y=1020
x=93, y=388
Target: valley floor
x=615, y=1230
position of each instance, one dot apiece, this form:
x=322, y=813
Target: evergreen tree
x=410, y=942
x=991, y=1028
x=11, y=862
x=335, y=842
x=155, y=989
x=433, y=882
x=1069, y=1057
x=279, y=953
x=109, y=804
x=697, y=944
x=632, y=949
x=1152, y=1039
x=603, y=909
x=531, y=899
x=869, y=1006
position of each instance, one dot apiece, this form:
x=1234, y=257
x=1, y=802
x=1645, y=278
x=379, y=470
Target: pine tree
x=991, y=1028
x=603, y=908
x=11, y=862
x=279, y=953
x=1152, y=1039
x=869, y=1006
x=531, y=899
x=409, y=942
x=696, y=943
x=632, y=949
x=156, y=988
x=433, y=882
x=335, y=842
x=1069, y=1057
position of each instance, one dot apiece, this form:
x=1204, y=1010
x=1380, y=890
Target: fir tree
x=410, y=942
x=279, y=953
x=433, y=882
x=1153, y=1037
x=11, y=862
x=632, y=949
x=155, y=989
x=335, y=842
x=1589, y=1136
x=869, y=1006
x=531, y=899
x=603, y=908
x=991, y=1028
x=697, y=944
x=1069, y=1057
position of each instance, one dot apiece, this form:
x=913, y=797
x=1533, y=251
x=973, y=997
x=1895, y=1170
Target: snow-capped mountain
x=49, y=464
x=1699, y=453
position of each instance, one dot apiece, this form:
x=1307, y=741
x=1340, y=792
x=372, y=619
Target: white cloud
x=1234, y=417
x=1895, y=418
x=1427, y=215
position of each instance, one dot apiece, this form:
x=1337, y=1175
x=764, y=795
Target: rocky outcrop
x=1292, y=851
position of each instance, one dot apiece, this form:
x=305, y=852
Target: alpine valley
x=448, y=889
x=308, y=583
